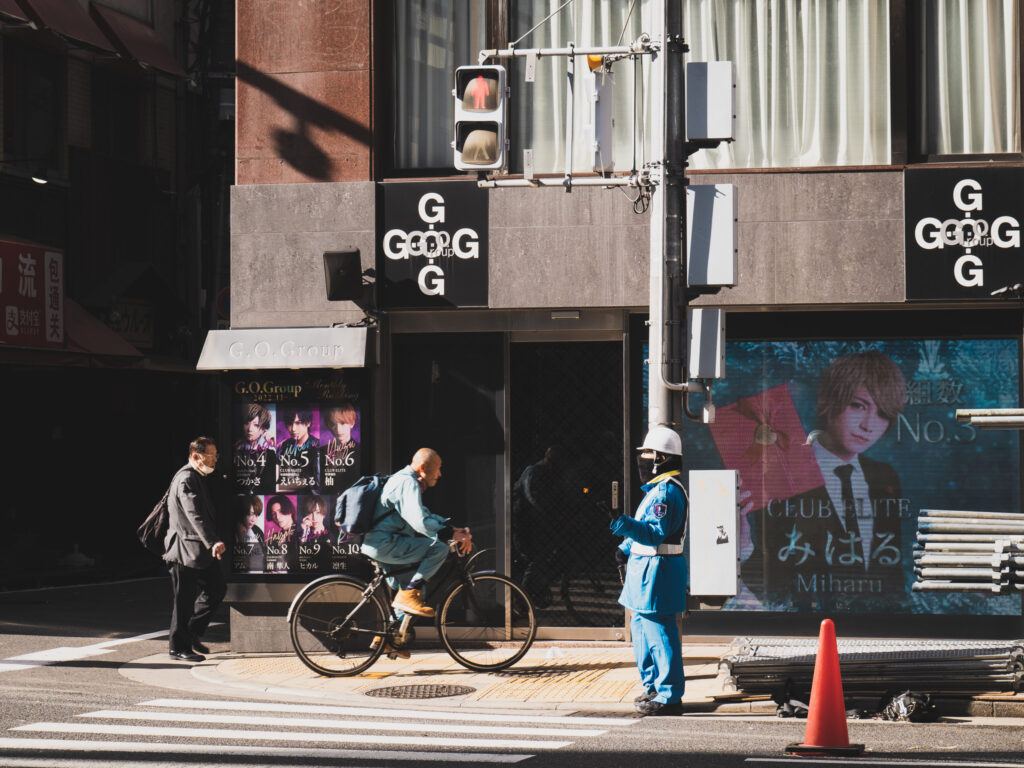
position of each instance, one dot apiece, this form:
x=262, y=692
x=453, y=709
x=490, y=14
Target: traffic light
x=480, y=108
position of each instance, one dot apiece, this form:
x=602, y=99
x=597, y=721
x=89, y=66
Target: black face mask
x=648, y=469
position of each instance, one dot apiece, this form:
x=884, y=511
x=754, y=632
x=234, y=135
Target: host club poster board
x=297, y=443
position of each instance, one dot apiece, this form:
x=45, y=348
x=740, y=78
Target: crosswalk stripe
x=268, y=752
x=421, y=714
x=250, y=735
x=108, y=762
x=353, y=725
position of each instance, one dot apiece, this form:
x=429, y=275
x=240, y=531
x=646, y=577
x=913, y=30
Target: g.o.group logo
x=970, y=232
x=963, y=235
x=433, y=251
x=431, y=244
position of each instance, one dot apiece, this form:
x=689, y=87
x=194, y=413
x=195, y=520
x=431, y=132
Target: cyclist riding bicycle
x=408, y=533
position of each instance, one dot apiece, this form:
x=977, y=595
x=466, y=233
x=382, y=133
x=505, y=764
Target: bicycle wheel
x=334, y=631
x=487, y=624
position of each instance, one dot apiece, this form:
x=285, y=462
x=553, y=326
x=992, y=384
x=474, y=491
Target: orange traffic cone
x=826, y=732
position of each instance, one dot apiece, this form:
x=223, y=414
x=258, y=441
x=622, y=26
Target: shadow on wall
x=294, y=146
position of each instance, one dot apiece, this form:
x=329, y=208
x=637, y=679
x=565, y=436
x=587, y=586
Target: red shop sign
x=31, y=295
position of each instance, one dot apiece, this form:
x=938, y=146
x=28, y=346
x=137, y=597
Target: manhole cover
x=420, y=691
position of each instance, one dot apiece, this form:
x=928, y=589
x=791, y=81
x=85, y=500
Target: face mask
x=201, y=468
x=647, y=468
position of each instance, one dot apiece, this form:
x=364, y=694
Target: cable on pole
x=626, y=22
x=542, y=22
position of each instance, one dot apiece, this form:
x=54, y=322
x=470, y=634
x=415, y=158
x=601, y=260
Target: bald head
x=427, y=465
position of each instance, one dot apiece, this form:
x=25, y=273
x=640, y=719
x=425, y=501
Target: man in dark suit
x=839, y=543
x=191, y=550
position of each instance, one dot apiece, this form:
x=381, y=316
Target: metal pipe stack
x=958, y=551
x=769, y=665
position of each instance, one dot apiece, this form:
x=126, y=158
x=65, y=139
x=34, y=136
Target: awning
x=87, y=334
x=68, y=19
x=136, y=40
x=11, y=10
x=90, y=343
x=253, y=348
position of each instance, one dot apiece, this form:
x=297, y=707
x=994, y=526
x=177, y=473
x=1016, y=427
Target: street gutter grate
x=420, y=691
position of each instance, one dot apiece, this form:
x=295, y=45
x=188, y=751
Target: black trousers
x=197, y=593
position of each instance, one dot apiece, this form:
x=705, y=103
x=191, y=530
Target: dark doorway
x=566, y=452
x=448, y=395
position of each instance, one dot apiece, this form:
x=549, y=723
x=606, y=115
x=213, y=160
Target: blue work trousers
x=430, y=554
x=659, y=655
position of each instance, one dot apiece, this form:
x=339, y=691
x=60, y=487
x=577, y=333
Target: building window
x=117, y=100
x=538, y=109
x=33, y=112
x=431, y=39
x=968, y=88
x=812, y=80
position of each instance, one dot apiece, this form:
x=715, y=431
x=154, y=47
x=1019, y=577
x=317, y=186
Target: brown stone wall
x=303, y=110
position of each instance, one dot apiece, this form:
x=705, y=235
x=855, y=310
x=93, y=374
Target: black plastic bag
x=909, y=706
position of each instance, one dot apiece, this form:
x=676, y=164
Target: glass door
x=566, y=430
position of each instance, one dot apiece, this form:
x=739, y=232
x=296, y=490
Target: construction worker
x=654, y=587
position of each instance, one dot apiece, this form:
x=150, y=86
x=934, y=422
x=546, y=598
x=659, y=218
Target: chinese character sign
x=839, y=446
x=31, y=296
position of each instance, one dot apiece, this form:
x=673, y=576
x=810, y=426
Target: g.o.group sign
x=963, y=227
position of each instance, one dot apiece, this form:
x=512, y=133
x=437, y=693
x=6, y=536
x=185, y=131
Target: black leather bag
x=153, y=530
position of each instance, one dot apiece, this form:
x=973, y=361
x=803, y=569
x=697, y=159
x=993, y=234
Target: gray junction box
x=714, y=533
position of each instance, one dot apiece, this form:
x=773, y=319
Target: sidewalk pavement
x=552, y=676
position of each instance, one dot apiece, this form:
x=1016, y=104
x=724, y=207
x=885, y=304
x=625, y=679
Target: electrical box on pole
x=709, y=101
x=714, y=536
x=481, y=106
x=602, y=115
x=706, y=353
x=710, y=236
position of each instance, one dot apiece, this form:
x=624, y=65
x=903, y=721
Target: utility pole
x=667, y=329
x=668, y=373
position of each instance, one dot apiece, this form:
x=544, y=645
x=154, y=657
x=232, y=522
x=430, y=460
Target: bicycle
x=340, y=625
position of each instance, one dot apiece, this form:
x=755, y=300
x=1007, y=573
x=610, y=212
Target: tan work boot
x=390, y=650
x=408, y=600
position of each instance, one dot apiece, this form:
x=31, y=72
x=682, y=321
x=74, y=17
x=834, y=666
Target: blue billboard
x=839, y=445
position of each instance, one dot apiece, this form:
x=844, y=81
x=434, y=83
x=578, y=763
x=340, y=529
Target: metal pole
x=659, y=397
x=674, y=182
x=667, y=310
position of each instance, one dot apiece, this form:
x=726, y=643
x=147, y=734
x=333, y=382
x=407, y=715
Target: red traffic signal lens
x=479, y=93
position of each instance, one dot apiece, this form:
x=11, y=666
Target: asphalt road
x=65, y=702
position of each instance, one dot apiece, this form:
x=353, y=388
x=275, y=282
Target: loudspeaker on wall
x=343, y=274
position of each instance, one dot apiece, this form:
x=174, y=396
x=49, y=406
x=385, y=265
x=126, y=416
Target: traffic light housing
x=481, y=105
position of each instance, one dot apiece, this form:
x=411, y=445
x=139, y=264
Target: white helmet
x=663, y=440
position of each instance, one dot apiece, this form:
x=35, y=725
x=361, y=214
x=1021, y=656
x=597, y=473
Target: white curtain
x=431, y=39
x=812, y=79
x=969, y=64
x=539, y=108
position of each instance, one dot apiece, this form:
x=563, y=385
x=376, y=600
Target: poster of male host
x=297, y=446
x=839, y=445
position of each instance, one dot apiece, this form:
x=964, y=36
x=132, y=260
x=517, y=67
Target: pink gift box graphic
x=761, y=436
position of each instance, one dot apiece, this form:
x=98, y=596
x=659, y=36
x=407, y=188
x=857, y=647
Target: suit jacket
x=191, y=530
x=803, y=555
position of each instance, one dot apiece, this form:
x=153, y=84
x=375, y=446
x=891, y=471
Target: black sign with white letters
x=963, y=237
x=432, y=245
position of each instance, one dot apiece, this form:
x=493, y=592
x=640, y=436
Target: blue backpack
x=354, y=511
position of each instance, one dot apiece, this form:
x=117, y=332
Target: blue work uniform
x=407, y=532
x=654, y=589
